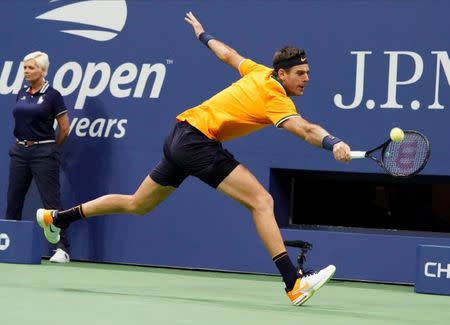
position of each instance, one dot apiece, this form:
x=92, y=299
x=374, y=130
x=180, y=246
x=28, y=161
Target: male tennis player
x=194, y=147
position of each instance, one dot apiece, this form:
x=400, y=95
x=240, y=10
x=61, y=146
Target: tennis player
x=194, y=147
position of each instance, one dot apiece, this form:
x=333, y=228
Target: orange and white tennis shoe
x=45, y=220
x=306, y=286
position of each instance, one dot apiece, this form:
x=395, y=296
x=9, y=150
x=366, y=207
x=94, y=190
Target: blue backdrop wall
x=127, y=68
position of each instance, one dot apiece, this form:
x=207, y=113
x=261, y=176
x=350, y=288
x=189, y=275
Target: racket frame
x=383, y=146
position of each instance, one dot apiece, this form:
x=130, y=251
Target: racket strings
x=406, y=157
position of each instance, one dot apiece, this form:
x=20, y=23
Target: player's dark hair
x=287, y=57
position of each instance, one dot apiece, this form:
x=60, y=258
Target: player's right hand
x=198, y=28
x=341, y=152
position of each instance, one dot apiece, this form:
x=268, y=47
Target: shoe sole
x=48, y=233
x=303, y=298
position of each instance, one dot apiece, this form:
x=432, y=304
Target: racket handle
x=357, y=154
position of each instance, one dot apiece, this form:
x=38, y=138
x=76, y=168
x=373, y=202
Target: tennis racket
x=405, y=158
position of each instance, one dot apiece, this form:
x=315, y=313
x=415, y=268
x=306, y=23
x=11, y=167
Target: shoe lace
x=308, y=272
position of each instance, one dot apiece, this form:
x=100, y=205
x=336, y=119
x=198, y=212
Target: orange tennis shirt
x=251, y=103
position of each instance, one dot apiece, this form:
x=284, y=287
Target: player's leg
x=149, y=195
x=210, y=162
x=242, y=186
x=146, y=198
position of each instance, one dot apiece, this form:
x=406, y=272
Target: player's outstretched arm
x=317, y=136
x=225, y=53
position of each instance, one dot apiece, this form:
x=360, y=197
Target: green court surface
x=88, y=293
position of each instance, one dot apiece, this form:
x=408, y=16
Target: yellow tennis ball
x=397, y=134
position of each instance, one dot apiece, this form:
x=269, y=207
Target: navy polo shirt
x=34, y=114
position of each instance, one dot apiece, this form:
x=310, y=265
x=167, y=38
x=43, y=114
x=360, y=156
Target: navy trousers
x=41, y=163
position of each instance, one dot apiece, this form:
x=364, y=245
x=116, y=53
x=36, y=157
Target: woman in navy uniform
x=35, y=152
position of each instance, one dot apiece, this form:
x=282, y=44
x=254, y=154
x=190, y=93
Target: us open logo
x=108, y=15
x=4, y=241
x=98, y=21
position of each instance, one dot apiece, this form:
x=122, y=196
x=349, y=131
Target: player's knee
x=263, y=201
x=136, y=207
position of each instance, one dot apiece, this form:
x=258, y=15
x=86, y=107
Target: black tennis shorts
x=187, y=151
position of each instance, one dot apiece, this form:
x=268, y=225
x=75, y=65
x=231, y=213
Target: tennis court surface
x=90, y=293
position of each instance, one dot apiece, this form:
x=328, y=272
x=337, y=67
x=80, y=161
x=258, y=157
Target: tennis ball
x=397, y=134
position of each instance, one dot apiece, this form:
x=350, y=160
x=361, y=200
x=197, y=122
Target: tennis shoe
x=45, y=220
x=306, y=286
x=60, y=256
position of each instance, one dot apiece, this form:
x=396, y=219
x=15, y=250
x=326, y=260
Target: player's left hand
x=198, y=28
x=341, y=152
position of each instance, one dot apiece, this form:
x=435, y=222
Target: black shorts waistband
x=186, y=124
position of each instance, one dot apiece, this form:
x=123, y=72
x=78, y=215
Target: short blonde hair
x=41, y=59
